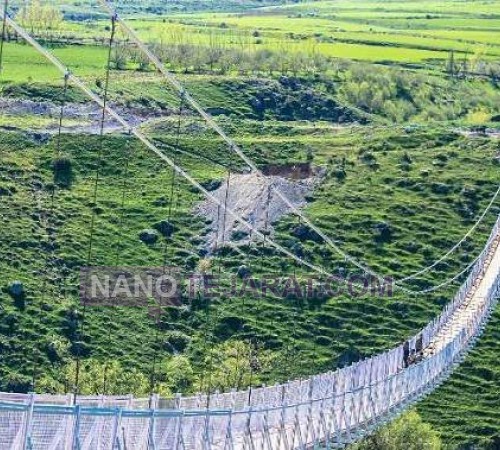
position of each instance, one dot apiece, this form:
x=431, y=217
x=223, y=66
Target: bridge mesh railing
x=331, y=407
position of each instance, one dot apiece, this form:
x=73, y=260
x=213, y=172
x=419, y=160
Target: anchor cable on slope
x=233, y=147
x=3, y=36
x=81, y=332
x=81, y=85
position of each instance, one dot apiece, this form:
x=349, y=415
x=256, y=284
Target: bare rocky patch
x=254, y=198
x=88, y=114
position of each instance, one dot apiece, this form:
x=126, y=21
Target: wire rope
x=168, y=238
x=94, y=200
x=49, y=253
x=119, y=249
x=3, y=36
x=176, y=84
x=168, y=160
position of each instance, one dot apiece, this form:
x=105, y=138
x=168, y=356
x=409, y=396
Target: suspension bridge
x=332, y=409
x=328, y=410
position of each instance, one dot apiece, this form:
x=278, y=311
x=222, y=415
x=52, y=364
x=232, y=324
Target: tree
x=177, y=374
x=451, y=67
x=235, y=364
x=214, y=51
x=408, y=432
x=96, y=377
x=62, y=168
x=39, y=17
x=120, y=56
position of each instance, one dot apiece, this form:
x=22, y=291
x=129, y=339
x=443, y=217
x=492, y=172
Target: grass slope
x=395, y=197
x=421, y=204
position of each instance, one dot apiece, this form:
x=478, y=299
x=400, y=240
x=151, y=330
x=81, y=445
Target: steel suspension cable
x=64, y=101
x=121, y=220
x=216, y=316
x=177, y=145
x=206, y=384
x=254, y=344
x=156, y=340
x=240, y=330
x=177, y=195
x=208, y=325
x=94, y=197
x=176, y=84
x=459, y=243
x=263, y=252
x=151, y=146
x=48, y=255
x=3, y=37
x=172, y=206
x=41, y=230
x=295, y=356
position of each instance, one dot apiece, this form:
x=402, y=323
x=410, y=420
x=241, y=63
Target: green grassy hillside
x=378, y=99
x=44, y=248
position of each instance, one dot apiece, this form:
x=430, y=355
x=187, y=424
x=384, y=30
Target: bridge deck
x=473, y=304
x=334, y=408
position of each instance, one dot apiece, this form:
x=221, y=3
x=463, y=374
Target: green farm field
x=420, y=31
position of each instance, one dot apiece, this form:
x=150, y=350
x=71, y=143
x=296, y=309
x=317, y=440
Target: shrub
x=408, y=432
x=176, y=341
x=440, y=188
x=369, y=159
x=212, y=185
x=191, y=261
x=15, y=382
x=339, y=173
x=177, y=373
x=57, y=349
x=148, y=236
x=16, y=289
x=303, y=232
x=383, y=232
x=244, y=272
x=164, y=227
x=62, y=168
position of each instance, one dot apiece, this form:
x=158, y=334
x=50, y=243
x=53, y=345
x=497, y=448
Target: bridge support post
x=76, y=428
x=179, y=432
x=248, y=428
x=28, y=425
x=207, y=440
x=68, y=438
x=153, y=405
x=228, y=439
x=152, y=431
x=115, y=443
